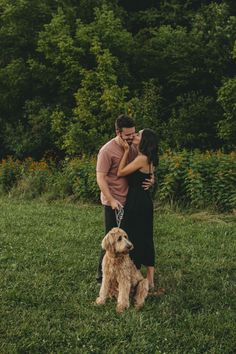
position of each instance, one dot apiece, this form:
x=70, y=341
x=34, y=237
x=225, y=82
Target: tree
x=193, y=123
x=148, y=108
x=20, y=23
x=99, y=100
x=227, y=125
x=67, y=68
x=227, y=99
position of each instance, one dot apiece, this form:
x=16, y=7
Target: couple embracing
x=125, y=171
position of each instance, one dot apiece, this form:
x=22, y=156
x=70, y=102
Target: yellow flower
x=190, y=172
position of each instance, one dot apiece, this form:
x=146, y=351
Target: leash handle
x=119, y=216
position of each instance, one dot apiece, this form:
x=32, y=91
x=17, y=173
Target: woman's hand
x=123, y=160
x=124, y=144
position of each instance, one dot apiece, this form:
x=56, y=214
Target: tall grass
x=192, y=179
x=48, y=260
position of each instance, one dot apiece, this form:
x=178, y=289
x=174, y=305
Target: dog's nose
x=130, y=246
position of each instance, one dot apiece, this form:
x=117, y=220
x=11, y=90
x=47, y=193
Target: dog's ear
x=107, y=242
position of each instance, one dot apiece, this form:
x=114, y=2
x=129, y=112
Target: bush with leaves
x=193, y=179
x=170, y=176
x=85, y=184
x=33, y=180
x=75, y=179
x=10, y=172
x=198, y=179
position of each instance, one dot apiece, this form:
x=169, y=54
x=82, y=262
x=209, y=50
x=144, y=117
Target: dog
x=120, y=276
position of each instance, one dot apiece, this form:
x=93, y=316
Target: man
x=114, y=189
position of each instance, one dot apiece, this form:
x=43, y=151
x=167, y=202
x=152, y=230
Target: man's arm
x=149, y=182
x=103, y=185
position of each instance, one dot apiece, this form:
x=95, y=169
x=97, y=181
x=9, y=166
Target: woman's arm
x=131, y=167
x=136, y=164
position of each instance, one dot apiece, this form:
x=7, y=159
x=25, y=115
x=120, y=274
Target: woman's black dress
x=139, y=220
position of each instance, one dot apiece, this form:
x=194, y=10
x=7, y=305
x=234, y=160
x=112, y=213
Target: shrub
x=84, y=185
x=10, y=172
x=224, y=182
x=192, y=179
x=198, y=179
x=59, y=186
x=170, y=176
x=75, y=179
x=31, y=186
x=33, y=179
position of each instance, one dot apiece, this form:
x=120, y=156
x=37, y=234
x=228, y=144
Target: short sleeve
x=103, y=161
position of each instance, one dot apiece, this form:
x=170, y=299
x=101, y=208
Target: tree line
x=68, y=68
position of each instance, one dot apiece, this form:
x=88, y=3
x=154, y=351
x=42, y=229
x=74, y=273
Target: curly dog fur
x=120, y=276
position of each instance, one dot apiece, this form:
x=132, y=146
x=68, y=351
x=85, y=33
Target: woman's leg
x=150, y=276
x=152, y=290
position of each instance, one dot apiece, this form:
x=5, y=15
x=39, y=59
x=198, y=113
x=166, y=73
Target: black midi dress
x=139, y=220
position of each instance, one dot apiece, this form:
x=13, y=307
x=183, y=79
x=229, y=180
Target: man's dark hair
x=124, y=121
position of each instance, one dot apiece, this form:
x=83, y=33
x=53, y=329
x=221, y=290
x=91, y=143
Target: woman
x=139, y=205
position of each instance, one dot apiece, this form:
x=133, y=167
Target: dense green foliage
x=48, y=262
x=198, y=180
x=68, y=68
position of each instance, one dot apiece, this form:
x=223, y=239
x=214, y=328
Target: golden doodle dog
x=120, y=276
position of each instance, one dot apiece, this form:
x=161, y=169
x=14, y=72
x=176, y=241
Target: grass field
x=48, y=260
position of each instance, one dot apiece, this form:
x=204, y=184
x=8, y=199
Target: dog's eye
x=120, y=238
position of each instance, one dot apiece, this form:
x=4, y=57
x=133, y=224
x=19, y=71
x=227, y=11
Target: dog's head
x=116, y=242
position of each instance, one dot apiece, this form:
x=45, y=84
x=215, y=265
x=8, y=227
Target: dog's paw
x=139, y=306
x=120, y=308
x=100, y=301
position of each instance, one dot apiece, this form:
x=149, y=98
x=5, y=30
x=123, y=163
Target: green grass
x=48, y=261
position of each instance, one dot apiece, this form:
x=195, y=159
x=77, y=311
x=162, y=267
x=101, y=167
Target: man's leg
x=109, y=223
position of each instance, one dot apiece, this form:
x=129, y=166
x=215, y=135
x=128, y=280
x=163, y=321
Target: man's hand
x=104, y=187
x=148, y=183
x=115, y=204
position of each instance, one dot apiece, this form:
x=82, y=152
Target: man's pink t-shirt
x=108, y=161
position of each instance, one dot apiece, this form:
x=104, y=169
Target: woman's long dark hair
x=149, y=146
